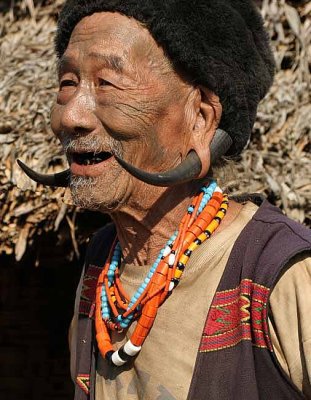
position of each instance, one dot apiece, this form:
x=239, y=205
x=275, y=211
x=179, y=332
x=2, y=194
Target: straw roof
x=277, y=162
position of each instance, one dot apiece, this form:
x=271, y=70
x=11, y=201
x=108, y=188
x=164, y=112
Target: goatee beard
x=82, y=191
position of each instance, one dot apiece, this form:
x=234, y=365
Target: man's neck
x=143, y=231
x=143, y=227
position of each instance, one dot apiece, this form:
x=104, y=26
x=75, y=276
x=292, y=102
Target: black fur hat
x=220, y=44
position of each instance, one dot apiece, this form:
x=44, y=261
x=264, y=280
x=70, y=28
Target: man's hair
x=219, y=44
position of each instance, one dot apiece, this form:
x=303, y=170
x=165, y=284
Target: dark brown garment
x=235, y=359
x=86, y=351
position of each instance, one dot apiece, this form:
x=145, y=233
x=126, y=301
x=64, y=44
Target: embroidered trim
x=83, y=381
x=89, y=289
x=235, y=315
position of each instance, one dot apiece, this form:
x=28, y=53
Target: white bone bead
x=171, y=287
x=171, y=259
x=117, y=360
x=130, y=349
x=166, y=251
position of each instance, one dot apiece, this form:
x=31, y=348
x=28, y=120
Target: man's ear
x=208, y=111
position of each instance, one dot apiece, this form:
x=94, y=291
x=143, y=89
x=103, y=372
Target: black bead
x=198, y=241
x=217, y=219
x=223, y=210
x=123, y=355
x=188, y=253
x=207, y=233
x=180, y=266
x=176, y=281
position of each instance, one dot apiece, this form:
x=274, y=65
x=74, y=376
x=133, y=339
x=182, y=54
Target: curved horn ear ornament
x=188, y=169
x=220, y=145
x=56, y=180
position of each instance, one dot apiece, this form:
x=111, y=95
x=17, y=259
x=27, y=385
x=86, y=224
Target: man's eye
x=102, y=82
x=67, y=82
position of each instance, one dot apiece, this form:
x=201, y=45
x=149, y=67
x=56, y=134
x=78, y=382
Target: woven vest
x=86, y=350
x=235, y=360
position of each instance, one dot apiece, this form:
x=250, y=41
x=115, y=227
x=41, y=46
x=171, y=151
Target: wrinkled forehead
x=107, y=32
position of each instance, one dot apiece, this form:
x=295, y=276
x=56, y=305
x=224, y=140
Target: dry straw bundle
x=277, y=162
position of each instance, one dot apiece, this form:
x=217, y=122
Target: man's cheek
x=55, y=116
x=119, y=125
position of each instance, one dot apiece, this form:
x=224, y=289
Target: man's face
x=118, y=94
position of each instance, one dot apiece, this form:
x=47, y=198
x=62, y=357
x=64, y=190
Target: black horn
x=188, y=169
x=220, y=145
x=60, y=179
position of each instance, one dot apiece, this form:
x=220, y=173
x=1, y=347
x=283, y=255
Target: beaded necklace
x=115, y=311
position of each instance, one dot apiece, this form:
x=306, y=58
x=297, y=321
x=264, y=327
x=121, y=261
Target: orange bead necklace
x=116, y=311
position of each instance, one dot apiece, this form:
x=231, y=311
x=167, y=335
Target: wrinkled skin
x=119, y=94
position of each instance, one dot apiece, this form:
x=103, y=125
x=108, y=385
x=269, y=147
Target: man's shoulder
x=269, y=230
x=102, y=234
x=272, y=216
x=100, y=244
x=266, y=246
x=269, y=218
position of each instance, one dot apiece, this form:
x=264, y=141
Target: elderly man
x=187, y=294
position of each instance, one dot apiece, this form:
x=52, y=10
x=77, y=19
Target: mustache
x=91, y=144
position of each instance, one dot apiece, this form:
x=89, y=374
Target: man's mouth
x=90, y=158
x=89, y=163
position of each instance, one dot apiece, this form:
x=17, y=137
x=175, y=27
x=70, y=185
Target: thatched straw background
x=277, y=162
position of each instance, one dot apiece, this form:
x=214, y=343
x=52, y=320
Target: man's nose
x=78, y=116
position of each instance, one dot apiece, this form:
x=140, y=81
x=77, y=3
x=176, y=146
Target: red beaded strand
x=192, y=232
